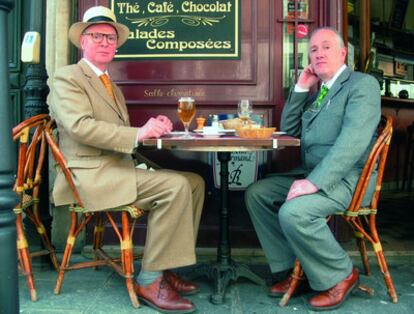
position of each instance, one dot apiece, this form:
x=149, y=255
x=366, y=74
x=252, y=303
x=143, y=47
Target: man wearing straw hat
x=97, y=140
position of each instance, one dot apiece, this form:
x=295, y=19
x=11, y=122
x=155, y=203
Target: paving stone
x=94, y=292
x=103, y=291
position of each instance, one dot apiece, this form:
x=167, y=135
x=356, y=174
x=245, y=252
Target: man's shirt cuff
x=299, y=89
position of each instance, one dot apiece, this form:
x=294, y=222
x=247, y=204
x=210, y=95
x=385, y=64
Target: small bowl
x=252, y=132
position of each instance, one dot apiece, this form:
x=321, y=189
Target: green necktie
x=324, y=90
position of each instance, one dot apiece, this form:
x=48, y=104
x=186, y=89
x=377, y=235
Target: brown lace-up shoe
x=335, y=296
x=162, y=297
x=280, y=288
x=182, y=286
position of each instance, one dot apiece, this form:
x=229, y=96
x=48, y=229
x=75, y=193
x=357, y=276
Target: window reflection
x=290, y=13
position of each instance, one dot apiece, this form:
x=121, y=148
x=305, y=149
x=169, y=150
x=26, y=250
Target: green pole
x=9, y=294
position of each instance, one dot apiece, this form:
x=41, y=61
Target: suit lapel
x=97, y=85
x=120, y=103
x=337, y=86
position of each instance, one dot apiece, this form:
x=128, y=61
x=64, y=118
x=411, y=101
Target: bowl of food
x=232, y=124
x=253, y=132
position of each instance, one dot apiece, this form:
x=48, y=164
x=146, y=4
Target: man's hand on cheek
x=307, y=78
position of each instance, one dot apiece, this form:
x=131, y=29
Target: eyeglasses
x=98, y=37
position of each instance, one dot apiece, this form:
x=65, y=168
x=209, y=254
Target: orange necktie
x=108, y=85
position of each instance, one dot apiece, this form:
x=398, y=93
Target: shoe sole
x=302, y=290
x=195, y=291
x=281, y=294
x=275, y=294
x=353, y=287
x=152, y=305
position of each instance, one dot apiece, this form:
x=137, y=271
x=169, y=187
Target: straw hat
x=98, y=15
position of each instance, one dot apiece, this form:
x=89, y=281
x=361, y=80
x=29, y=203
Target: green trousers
x=297, y=229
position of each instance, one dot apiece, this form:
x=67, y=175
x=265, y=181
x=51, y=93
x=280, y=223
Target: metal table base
x=225, y=269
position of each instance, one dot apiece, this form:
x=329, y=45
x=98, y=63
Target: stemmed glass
x=186, y=112
x=244, y=109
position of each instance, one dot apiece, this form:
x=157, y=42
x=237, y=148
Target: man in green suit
x=337, y=127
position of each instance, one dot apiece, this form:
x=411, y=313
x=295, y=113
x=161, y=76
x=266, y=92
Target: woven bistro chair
x=363, y=219
x=81, y=216
x=32, y=149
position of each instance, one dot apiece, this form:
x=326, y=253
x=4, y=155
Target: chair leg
x=127, y=252
x=360, y=241
x=98, y=232
x=24, y=256
x=48, y=246
x=384, y=269
x=70, y=242
x=41, y=230
x=376, y=245
x=296, y=275
x=98, y=235
x=131, y=291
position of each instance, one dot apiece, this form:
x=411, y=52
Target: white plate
x=176, y=133
x=222, y=131
x=211, y=135
x=279, y=133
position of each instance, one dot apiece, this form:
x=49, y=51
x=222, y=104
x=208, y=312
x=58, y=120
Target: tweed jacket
x=95, y=137
x=336, y=138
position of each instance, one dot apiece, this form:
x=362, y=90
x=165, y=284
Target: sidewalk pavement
x=103, y=291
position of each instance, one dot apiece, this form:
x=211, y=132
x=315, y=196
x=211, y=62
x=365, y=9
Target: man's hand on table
x=155, y=127
x=301, y=187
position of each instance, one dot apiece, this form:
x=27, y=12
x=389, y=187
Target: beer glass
x=186, y=112
x=244, y=109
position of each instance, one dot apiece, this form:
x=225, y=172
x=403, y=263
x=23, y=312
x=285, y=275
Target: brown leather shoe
x=280, y=288
x=162, y=297
x=182, y=286
x=335, y=296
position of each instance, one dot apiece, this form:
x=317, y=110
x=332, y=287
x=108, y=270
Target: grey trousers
x=297, y=229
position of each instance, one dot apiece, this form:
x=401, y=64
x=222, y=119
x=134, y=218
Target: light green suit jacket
x=336, y=138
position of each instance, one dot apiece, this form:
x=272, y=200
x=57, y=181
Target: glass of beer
x=186, y=112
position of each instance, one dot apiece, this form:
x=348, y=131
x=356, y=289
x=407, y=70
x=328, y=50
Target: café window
x=382, y=34
x=298, y=21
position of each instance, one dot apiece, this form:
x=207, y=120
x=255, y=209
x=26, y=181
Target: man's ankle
x=146, y=278
x=281, y=275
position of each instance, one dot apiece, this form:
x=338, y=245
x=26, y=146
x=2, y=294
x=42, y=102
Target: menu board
x=199, y=29
x=243, y=169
